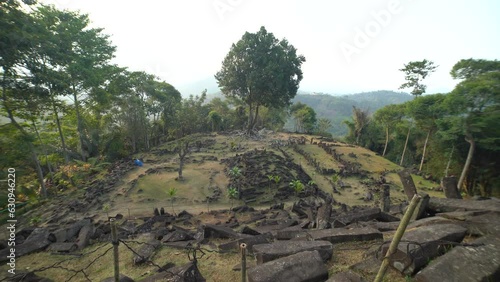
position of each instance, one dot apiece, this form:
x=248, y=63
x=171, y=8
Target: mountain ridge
x=338, y=108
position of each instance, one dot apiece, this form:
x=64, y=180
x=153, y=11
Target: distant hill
x=339, y=108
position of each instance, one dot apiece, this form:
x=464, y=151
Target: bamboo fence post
x=243, y=248
x=397, y=237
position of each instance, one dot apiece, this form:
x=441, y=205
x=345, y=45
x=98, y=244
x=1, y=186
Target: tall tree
x=83, y=55
x=324, y=125
x=43, y=62
x=388, y=116
x=17, y=32
x=304, y=116
x=170, y=99
x=415, y=72
x=215, y=120
x=191, y=116
x=360, y=120
x=262, y=71
x=144, y=88
x=426, y=110
x=475, y=103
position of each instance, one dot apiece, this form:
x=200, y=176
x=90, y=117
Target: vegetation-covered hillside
x=339, y=108
x=451, y=134
x=68, y=112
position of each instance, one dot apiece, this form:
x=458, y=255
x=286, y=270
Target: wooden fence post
x=243, y=248
x=114, y=241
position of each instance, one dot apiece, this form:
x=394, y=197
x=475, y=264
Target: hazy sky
x=350, y=46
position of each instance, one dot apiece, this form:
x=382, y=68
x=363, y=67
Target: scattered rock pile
x=256, y=165
x=459, y=240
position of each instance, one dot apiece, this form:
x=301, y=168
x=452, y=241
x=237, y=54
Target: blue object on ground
x=137, y=162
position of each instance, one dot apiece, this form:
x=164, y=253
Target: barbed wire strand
x=57, y=265
x=147, y=260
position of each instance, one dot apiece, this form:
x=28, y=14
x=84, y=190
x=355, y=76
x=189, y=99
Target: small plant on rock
x=234, y=173
x=297, y=186
x=232, y=194
x=172, y=192
x=105, y=208
x=277, y=180
x=271, y=179
x=335, y=180
x=35, y=221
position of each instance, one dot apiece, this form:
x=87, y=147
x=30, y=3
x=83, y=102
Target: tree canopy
x=452, y=134
x=262, y=71
x=415, y=72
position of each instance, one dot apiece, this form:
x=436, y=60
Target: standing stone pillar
x=408, y=184
x=385, y=199
x=450, y=188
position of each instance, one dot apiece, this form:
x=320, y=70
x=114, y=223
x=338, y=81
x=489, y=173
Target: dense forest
x=67, y=111
x=445, y=134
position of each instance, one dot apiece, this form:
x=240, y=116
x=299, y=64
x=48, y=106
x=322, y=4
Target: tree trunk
x=59, y=129
x=49, y=166
x=449, y=162
x=146, y=133
x=386, y=140
x=404, y=149
x=181, y=164
x=79, y=124
x=423, y=152
x=39, y=171
x=134, y=144
x=250, y=119
x=472, y=148
x=183, y=150
x=256, y=117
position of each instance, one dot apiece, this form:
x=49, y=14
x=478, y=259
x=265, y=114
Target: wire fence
x=194, y=252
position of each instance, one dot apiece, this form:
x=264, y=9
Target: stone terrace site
x=336, y=228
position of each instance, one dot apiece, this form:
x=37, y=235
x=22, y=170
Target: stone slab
x=215, y=231
x=420, y=245
x=341, y=235
x=355, y=216
x=267, y=252
x=301, y=267
x=62, y=247
x=335, y=235
x=347, y=276
x=449, y=205
x=478, y=262
x=250, y=242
